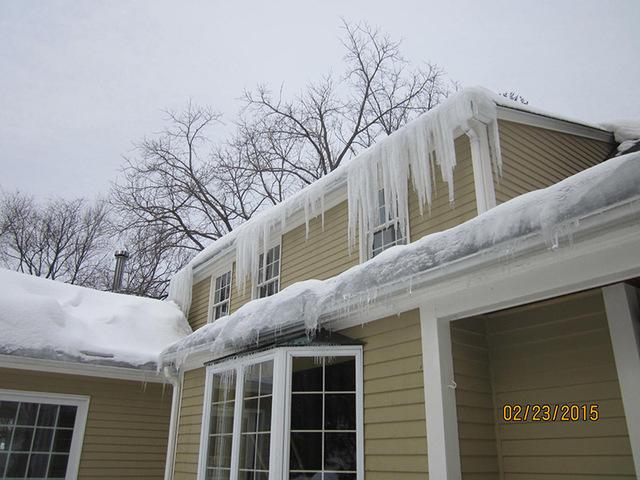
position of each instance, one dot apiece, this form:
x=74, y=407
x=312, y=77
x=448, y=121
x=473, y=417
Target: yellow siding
x=554, y=353
x=536, y=158
x=199, y=311
x=323, y=254
x=189, y=425
x=394, y=416
x=127, y=423
x=444, y=214
x=474, y=398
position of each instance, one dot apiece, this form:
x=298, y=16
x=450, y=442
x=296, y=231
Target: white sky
x=81, y=81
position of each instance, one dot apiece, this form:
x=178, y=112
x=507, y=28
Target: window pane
x=307, y=375
x=306, y=411
x=62, y=441
x=27, y=413
x=219, y=452
x=340, y=451
x=42, y=440
x=58, y=465
x=22, y=439
x=306, y=451
x=224, y=387
x=3, y=462
x=340, y=411
x=37, y=465
x=256, y=417
x=67, y=416
x=17, y=465
x=305, y=475
x=218, y=474
x=47, y=415
x=5, y=438
x=8, y=411
x=341, y=374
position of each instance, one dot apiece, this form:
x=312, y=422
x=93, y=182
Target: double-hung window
x=291, y=413
x=41, y=434
x=388, y=232
x=220, y=296
x=269, y=273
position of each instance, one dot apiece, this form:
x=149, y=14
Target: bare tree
x=301, y=139
x=515, y=96
x=178, y=184
x=60, y=239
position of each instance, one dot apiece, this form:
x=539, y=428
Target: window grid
x=56, y=432
x=220, y=442
x=323, y=431
x=269, y=273
x=388, y=232
x=221, y=296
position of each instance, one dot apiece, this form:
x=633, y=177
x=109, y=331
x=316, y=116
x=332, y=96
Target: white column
x=482, y=168
x=443, y=448
x=623, y=315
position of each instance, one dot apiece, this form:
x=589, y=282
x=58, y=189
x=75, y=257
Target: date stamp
x=586, y=412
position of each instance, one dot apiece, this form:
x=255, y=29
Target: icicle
x=180, y=288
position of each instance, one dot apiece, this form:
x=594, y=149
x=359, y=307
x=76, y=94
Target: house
x=498, y=338
x=458, y=301
x=80, y=394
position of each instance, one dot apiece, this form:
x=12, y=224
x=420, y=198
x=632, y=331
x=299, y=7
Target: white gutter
x=174, y=378
x=596, y=236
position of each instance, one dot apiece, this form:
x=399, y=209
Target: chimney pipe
x=121, y=259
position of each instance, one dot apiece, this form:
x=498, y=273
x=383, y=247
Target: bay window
x=290, y=413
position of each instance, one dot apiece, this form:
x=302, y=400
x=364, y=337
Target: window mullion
x=237, y=423
x=277, y=453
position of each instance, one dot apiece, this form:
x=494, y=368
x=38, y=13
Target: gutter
x=438, y=282
x=172, y=375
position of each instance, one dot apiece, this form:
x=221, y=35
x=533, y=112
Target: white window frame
x=81, y=402
x=281, y=405
x=212, y=290
x=394, y=222
x=256, y=287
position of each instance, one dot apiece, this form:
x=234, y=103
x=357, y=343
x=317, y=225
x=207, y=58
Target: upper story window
x=388, y=232
x=269, y=273
x=41, y=434
x=291, y=413
x=220, y=296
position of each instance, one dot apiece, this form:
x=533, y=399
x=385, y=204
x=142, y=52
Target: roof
x=551, y=214
x=311, y=198
x=46, y=319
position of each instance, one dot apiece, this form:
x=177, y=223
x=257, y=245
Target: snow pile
x=415, y=149
x=626, y=133
x=553, y=213
x=42, y=318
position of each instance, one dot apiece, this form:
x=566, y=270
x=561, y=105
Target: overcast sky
x=80, y=81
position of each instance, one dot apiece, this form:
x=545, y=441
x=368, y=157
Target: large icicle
x=412, y=152
x=180, y=288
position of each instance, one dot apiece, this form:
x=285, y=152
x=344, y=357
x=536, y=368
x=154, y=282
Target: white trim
x=77, y=368
x=79, y=401
x=443, y=448
x=270, y=246
x=281, y=405
x=551, y=123
x=623, y=314
x=212, y=291
x=482, y=168
x=176, y=400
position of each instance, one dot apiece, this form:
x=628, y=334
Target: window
x=221, y=295
x=388, y=232
x=269, y=273
x=40, y=435
x=305, y=399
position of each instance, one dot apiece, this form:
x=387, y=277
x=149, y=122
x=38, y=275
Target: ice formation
x=180, y=288
x=626, y=132
x=550, y=214
x=409, y=153
x=46, y=319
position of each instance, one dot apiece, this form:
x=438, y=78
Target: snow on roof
x=626, y=133
x=46, y=319
x=552, y=212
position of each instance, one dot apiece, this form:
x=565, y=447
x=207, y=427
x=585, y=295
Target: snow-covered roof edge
x=410, y=149
x=552, y=214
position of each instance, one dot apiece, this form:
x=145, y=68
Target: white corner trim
x=623, y=314
x=443, y=447
x=556, y=124
x=482, y=168
x=74, y=368
x=176, y=399
x=79, y=401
